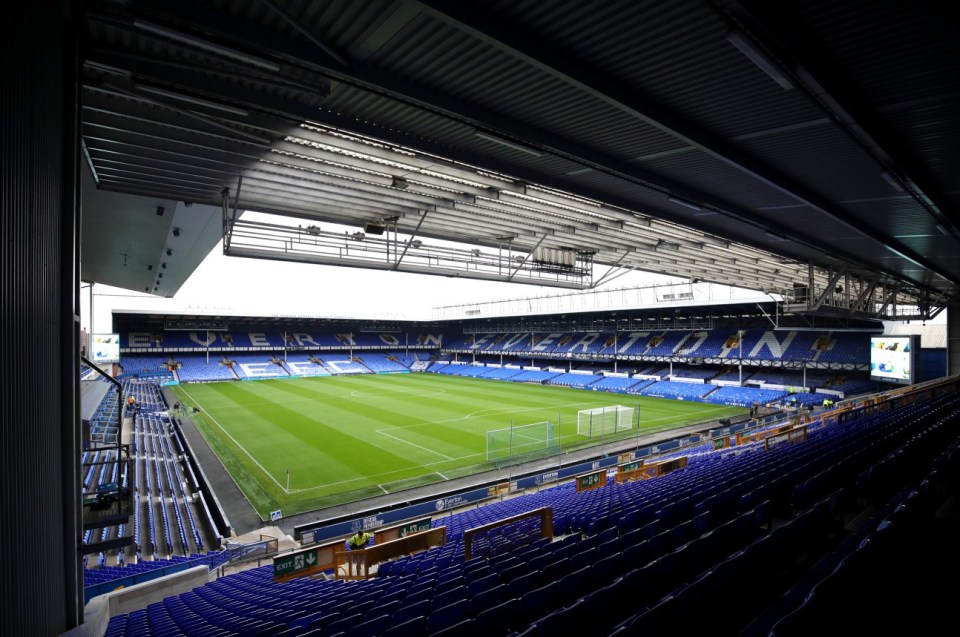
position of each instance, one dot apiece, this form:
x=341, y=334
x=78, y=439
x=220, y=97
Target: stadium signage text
x=551, y=476
x=297, y=564
x=367, y=523
x=447, y=503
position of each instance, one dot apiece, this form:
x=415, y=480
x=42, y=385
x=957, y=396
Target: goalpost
x=522, y=442
x=603, y=421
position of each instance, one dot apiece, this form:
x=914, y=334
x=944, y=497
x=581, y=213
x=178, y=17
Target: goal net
x=522, y=442
x=603, y=421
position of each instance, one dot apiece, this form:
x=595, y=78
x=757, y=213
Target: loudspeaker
x=374, y=228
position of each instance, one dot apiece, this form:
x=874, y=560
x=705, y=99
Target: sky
x=240, y=286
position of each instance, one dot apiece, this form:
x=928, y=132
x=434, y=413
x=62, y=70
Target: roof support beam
x=590, y=80
x=409, y=241
x=888, y=301
x=860, y=302
x=525, y=259
x=828, y=288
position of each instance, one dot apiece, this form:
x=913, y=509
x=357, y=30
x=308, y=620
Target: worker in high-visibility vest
x=359, y=540
x=357, y=543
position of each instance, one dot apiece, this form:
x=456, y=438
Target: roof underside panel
x=711, y=174
x=683, y=61
x=645, y=109
x=800, y=153
x=893, y=50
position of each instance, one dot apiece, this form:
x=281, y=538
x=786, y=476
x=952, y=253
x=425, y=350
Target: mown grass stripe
x=345, y=437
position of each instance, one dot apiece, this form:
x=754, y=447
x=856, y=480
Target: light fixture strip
x=206, y=45
x=189, y=99
x=508, y=144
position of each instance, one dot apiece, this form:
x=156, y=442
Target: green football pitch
x=301, y=444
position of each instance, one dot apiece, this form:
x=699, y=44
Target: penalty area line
x=381, y=431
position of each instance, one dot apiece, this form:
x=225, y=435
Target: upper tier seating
x=138, y=363
x=845, y=348
x=705, y=344
x=217, y=340
x=694, y=372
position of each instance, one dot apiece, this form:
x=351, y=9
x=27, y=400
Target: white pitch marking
x=242, y=448
x=497, y=410
x=381, y=431
x=382, y=475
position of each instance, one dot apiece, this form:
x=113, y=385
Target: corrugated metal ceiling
x=631, y=103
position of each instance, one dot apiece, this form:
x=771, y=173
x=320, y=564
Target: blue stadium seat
x=449, y=615
x=418, y=609
x=449, y=596
x=497, y=620
x=371, y=627
x=487, y=598
x=461, y=629
x=413, y=627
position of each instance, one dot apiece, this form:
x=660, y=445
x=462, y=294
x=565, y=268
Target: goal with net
x=604, y=421
x=522, y=442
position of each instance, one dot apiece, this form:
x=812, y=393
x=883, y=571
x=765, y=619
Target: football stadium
x=409, y=318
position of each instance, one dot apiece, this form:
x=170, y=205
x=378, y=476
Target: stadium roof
x=804, y=148
x=932, y=336
x=672, y=307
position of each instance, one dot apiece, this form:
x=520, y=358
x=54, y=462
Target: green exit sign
x=415, y=527
x=294, y=563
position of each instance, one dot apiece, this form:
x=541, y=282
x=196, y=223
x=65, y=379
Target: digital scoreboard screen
x=894, y=359
x=105, y=348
